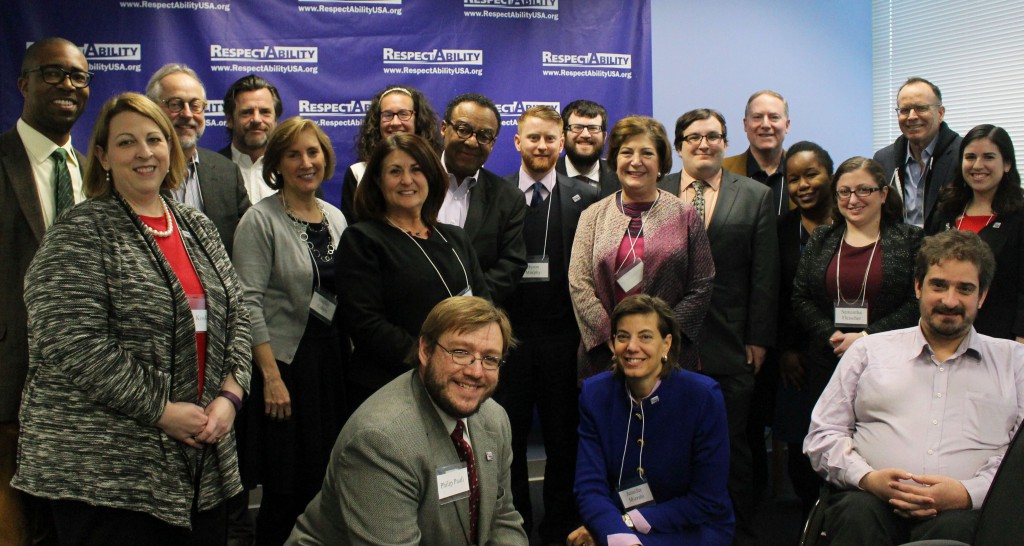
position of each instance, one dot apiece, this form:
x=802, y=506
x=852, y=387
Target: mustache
x=946, y=310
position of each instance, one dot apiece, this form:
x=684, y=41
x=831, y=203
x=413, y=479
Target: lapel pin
x=489, y=456
x=576, y=198
x=996, y=225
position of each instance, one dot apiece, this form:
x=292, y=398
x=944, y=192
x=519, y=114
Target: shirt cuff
x=639, y=521
x=623, y=539
x=977, y=488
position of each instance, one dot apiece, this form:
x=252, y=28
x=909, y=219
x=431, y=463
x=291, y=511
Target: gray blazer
x=276, y=274
x=381, y=484
x=224, y=195
x=21, y=232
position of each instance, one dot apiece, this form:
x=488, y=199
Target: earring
x=108, y=177
x=664, y=359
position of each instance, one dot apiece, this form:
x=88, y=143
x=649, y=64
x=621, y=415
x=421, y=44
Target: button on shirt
x=252, y=174
x=456, y=199
x=892, y=404
x=913, y=191
x=39, y=149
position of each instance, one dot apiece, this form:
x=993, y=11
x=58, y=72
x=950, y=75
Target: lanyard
x=963, y=217
x=643, y=426
x=864, y=285
x=547, y=221
x=436, y=270
x=643, y=219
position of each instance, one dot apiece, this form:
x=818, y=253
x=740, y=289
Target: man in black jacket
x=924, y=157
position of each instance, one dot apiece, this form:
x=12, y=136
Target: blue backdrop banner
x=329, y=57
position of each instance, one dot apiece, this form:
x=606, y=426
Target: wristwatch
x=628, y=521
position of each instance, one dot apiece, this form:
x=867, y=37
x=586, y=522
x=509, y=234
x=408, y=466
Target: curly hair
x=426, y=125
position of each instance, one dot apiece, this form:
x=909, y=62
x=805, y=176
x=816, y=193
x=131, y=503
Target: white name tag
x=631, y=276
x=851, y=316
x=199, y=317
x=452, y=482
x=536, y=269
x=323, y=305
x=638, y=495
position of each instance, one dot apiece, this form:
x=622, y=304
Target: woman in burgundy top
x=856, y=276
x=985, y=197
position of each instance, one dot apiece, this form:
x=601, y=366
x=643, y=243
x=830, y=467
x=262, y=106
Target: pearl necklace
x=167, y=217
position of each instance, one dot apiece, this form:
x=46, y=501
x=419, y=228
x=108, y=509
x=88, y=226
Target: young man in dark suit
x=585, y=124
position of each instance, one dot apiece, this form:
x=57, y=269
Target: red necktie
x=466, y=456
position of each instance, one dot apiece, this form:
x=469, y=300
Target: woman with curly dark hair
x=985, y=197
x=394, y=109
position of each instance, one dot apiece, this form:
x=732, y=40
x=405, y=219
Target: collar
x=454, y=182
x=572, y=172
x=926, y=154
x=970, y=345
x=243, y=159
x=39, y=147
x=526, y=181
x=715, y=182
x=633, y=398
x=753, y=167
x=448, y=421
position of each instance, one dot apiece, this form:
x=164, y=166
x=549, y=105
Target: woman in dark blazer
x=875, y=251
x=985, y=197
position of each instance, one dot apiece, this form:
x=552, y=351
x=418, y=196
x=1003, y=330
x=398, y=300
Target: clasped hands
x=924, y=498
x=194, y=426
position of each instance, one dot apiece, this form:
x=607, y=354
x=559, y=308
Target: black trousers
x=738, y=390
x=541, y=373
x=857, y=517
x=82, y=524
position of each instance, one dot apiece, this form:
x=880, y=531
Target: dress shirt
x=456, y=200
x=776, y=181
x=913, y=193
x=526, y=183
x=39, y=149
x=594, y=173
x=252, y=173
x=449, y=422
x=892, y=404
x=189, y=191
x=686, y=192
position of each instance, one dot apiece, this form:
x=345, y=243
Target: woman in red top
x=985, y=197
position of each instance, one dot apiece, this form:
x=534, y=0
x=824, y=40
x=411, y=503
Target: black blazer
x=896, y=305
x=21, y=232
x=791, y=336
x=609, y=181
x=1002, y=314
x=224, y=195
x=745, y=248
x=494, y=223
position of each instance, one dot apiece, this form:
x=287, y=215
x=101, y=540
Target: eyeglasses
x=464, y=358
x=862, y=192
x=577, y=128
x=55, y=75
x=175, y=105
x=919, y=109
x=694, y=139
x=388, y=115
x=483, y=136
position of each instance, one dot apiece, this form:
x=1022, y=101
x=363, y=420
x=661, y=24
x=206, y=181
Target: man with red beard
x=914, y=423
x=213, y=185
x=479, y=201
x=40, y=178
x=425, y=460
x=252, y=107
x=585, y=124
x=542, y=369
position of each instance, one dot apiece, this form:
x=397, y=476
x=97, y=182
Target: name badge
x=537, y=268
x=452, y=482
x=636, y=496
x=322, y=305
x=852, y=316
x=198, y=306
x=630, y=276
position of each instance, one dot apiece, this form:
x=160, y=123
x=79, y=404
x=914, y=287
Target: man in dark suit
x=766, y=122
x=585, y=124
x=426, y=459
x=40, y=178
x=252, y=107
x=542, y=369
x=740, y=323
x=490, y=209
x=213, y=184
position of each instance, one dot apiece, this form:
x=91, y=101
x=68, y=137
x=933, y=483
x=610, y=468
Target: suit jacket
x=224, y=195
x=1002, y=315
x=745, y=247
x=737, y=164
x=494, y=223
x=945, y=165
x=21, y=232
x=381, y=485
x=608, y=182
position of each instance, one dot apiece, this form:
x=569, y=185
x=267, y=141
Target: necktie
x=64, y=198
x=466, y=456
x=698, y=197
x=538, y=197
x=587, y=179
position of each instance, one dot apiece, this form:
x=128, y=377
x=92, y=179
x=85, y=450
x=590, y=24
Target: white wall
x=816, y=53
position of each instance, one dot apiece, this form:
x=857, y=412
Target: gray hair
x=153, y=88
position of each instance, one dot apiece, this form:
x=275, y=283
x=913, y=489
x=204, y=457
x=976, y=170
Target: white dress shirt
x=39, y=149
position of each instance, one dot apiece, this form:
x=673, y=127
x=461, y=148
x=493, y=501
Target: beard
x=946, y=329
x=583, y=159
x=540, y=164
x=437, y=387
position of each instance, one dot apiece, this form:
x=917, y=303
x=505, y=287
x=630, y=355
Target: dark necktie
x=585, y=178
x=698, y=197
x=538, y=197
x=466, y=456
x=64, y=197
